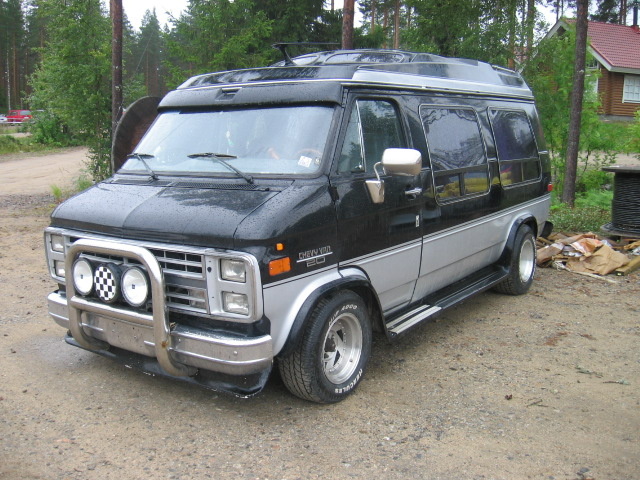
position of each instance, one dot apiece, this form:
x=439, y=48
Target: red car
x=19, y=116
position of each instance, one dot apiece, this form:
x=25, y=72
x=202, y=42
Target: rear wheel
x=331, y=358
x=522, y=265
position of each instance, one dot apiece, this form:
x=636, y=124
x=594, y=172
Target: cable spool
x=625, y=207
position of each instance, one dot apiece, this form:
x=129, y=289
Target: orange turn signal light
x=279, y=266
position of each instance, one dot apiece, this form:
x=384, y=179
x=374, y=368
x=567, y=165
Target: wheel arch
x=528, y=220
x=351, y=279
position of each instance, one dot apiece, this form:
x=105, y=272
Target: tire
x=332, y=355
x=522, y=264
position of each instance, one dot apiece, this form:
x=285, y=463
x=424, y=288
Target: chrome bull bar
x=179, y=350
x=159, y=320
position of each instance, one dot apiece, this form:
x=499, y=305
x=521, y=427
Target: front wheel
x=331, y=358
x=522, y=265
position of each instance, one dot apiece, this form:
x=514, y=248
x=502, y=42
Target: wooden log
x=632, y=266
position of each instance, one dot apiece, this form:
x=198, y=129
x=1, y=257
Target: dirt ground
x=542, y=386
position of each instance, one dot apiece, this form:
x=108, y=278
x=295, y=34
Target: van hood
x=191, y=215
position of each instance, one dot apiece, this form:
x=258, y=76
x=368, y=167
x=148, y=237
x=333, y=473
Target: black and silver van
x=283, y=214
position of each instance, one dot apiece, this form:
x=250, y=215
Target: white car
x=3, y=119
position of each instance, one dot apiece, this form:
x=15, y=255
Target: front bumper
x=179, y=350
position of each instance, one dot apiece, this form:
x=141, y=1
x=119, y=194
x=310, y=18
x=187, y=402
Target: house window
x=457, y=151
x=631, y=91
x=517, y=150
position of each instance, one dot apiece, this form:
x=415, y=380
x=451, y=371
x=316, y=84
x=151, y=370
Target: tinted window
x=516, y=146
x=456, y=150
x=373, y=127
x=454, y=138
x=512, y=132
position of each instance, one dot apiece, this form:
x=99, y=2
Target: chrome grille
x=184, y=274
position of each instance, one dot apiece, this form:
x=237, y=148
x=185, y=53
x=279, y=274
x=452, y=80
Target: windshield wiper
x=220, y=158
x=141, y=157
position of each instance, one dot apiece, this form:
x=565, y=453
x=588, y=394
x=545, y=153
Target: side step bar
x=409, y=319
x=443, y=299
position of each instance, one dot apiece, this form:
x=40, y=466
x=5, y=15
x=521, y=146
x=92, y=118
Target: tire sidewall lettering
x=351, y=384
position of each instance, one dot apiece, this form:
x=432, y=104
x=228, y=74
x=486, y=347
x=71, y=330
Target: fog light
x=135, y=287
x=58, y=266
x=235, y=303
x=107, y=282
x=82, y=276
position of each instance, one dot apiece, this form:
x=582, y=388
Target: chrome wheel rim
x=527, y=260
x=342, y=348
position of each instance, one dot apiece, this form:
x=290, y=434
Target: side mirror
x=402, y=161
x=395, y=161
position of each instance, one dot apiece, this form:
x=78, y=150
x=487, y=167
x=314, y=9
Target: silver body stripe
x=452, y=254
x=406, y=272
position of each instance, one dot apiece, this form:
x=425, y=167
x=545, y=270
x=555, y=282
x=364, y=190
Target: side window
x=457, y=151
x=517, y=151
x=373, y=127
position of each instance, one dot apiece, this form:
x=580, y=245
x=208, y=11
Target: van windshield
x=280, y=141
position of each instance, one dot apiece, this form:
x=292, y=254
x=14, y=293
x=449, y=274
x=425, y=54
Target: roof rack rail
x=282, y=46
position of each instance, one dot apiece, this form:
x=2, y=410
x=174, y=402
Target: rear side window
x=457, y=151
x=373, y=126
x=516, y=146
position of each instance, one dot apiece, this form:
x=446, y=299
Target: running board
x=445, y=298
x=409, y=319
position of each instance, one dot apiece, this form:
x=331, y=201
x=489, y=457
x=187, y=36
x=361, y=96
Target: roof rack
x=394, y=68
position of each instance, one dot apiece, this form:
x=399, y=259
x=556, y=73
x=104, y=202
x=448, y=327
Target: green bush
x=592, y=179
x=48, y=129
x=579, y=218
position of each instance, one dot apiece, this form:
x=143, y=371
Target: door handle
x=414, y=192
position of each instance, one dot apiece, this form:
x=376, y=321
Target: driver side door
x=382, y=239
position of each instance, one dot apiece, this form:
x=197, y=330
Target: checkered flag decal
x=106, y=284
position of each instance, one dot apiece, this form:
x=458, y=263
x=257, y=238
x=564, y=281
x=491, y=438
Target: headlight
x=82, y=275
x=235, y=303
x=57, y=243
x=233, y=270
x=135, y=286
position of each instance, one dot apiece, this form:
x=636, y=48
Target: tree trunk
x=531, y=23
x=385, y=25
x=116, y=63
x=396, y=26
x=347, y=24
x=577, y=93
x=373, y=15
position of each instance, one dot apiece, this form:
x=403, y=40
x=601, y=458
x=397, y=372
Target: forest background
x=55, y=58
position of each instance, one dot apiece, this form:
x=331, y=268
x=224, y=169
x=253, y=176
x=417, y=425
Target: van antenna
x=282, y=46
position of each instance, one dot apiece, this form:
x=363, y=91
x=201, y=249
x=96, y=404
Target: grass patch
x=11, y=144
x=79, y=184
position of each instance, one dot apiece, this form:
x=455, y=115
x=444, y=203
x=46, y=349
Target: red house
x=616, y=49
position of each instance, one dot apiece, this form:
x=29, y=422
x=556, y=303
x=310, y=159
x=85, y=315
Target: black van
x=284, y=213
